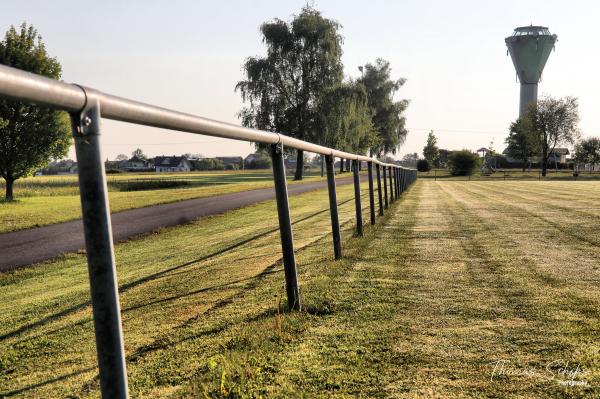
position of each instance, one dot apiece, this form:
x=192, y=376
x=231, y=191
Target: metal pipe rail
x=87, y=106
x=41, y=90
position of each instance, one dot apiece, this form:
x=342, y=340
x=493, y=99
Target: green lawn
x=456, y=279
x=511, y=174
x=46, y=200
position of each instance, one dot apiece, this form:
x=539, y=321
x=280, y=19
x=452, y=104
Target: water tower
x=529, y=47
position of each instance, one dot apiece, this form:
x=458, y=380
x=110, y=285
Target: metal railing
x=86, y=106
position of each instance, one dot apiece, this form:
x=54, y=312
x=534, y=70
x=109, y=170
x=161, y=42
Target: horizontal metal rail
x=86, y=107
x=26, y=86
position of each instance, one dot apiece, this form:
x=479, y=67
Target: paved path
x=22, y=248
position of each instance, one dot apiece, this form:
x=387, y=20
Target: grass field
x=464, y=289
x=52, y=199
x=512, y=174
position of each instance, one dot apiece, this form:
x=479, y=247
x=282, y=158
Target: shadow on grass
x=127, y=286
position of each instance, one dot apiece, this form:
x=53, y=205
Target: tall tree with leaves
x=138, y=152
x=554, y=122
x=522, y=143
x=345, y=118
x=30, y=136
x=284, y=88
x=388, y=115
x=587, y=151
x=431, y=152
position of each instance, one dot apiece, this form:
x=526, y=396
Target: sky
x=187, y=56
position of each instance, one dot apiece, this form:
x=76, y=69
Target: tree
x=121, y=157
x=423, y=165
x=410, y=159
x=139, y=153
x=284, y=88
x=522, y=143
x=387, y=114
x=463, y=162
x=345, y=118
x=30, y=136
x=587, y=151
x=431, y=151
x=554, y=122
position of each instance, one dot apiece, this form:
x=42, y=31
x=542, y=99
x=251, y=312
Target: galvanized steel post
x=391, y=186
x=359, y=222
x=100, y=252
x=371, y=193
x=285, y=228
x=385, y=193
x=333, y=207
x=379, y=195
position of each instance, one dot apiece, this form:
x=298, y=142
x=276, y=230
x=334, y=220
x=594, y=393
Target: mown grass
x=456, y=278
x=46, y=200
x=512, y=174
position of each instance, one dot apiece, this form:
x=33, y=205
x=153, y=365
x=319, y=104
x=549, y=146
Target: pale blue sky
x=187, y=55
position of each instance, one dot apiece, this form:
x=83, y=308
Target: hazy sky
x=187, y=55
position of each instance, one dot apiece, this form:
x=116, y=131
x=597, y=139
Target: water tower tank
x=529, y=47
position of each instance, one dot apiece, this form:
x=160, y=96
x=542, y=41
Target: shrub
x=113, y=171
x=463, y=163
x=208, y=164
x=423, y=165
x=150, y=184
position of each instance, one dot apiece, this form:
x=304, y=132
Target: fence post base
x=100, y=252
x=285, y=228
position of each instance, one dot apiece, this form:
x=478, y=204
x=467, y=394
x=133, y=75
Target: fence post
x=385, y=193
x=333, y=207
x=341, y=165
x=359, y=222
x=391, y=187
x=371, y=193
x=379, y=194
x=100, y=252
x=285, y=228
x=396, y=181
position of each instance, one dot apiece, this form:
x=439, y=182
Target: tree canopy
x=284, y=88
x=553, y=122
x=522, y=143
x=587, y=151
x=345, y=118
x=30, y=135
x=431, y=152
x=138, y=152
x=387, y=115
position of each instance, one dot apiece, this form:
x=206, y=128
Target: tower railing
x=86, y=107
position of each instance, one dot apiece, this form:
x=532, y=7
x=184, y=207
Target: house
x=135, y=164
x=559, y=155
x=172, y=164
x=231, y=162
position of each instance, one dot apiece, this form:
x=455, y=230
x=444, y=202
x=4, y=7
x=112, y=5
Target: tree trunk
x=299, y=165
x=341, y=165
x=9, y=188
x=544, y=161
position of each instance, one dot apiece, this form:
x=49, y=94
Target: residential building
x=172, y=164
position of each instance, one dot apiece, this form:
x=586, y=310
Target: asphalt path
x=26, y=247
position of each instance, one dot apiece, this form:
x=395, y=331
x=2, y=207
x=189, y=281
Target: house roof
x=168, y=162
x=135, y=158
x=561, y=151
